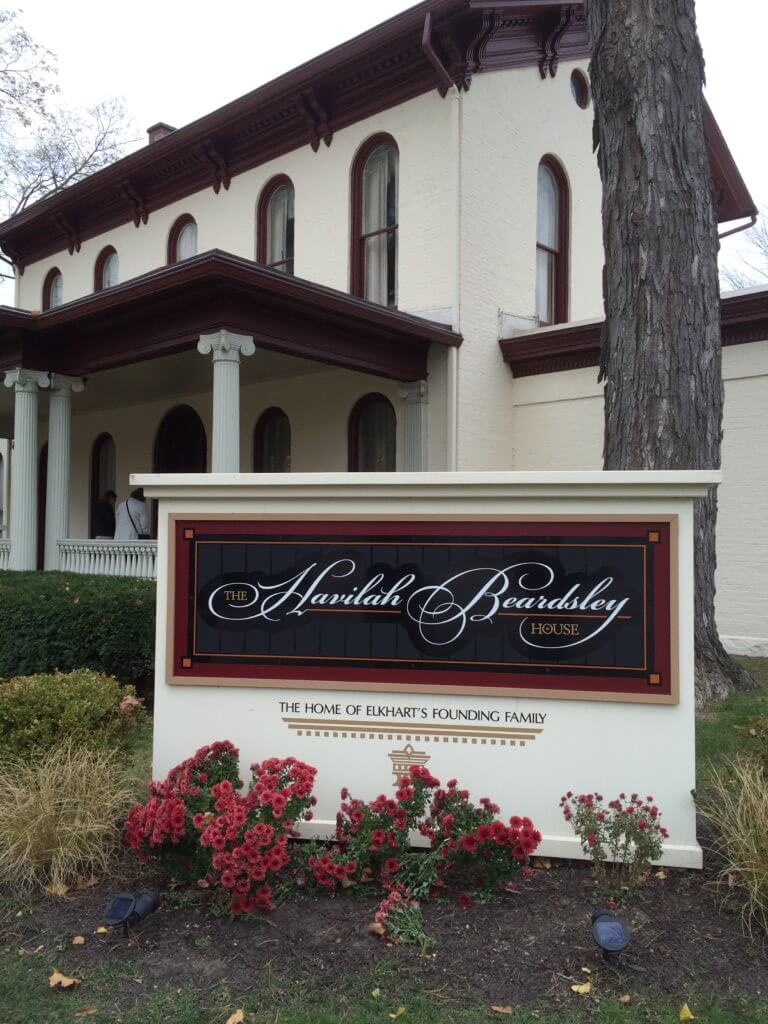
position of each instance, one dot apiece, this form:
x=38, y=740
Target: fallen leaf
x=685, y=1013
x=541, y=862
x=346, y=883
x=59, y=980
x=586, y=970
x=29, y=952
x=78, y=940
x=376, y=929
x=376, y=993
x=398, y=1013
x=57, y=889
x=753, y=732
x=86, y=883
x=101, y=930
x=661, y=874
x=87, y=1011
x=503, y=1009
x=625, y=1000
x=582, y=990
x=237, y=1017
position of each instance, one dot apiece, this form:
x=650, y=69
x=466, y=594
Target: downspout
x=447, y=86
x=452, y=411
x=740, y=227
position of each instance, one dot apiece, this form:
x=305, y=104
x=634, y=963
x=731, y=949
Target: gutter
x=740, y=227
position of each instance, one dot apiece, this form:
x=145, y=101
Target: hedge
x=88, y=709
x=56, y=622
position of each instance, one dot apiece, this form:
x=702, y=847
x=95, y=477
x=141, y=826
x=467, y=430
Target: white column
x=23, y=497
x=59, y=464
x=227, y=348
x=416, y=453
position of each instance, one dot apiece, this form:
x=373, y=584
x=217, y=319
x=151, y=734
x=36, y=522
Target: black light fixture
x=610, y=933
x=128, y=909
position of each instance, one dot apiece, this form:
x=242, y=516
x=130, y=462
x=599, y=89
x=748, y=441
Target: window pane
x=280, y=229
x=547, y=209
x=56, y=291
x=187, y=243
x=380, y=190
x=111, y=273
x=376, y=441
x=274, y=444
x=545, y=286
x=377, y=269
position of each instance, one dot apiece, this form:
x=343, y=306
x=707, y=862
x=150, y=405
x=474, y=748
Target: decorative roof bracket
x=135, y=198
x=316, y=118
x=550, y=41
x=218, y=165
x=70, y=233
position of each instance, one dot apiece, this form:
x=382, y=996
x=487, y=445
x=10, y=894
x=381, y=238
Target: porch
x=215, y=364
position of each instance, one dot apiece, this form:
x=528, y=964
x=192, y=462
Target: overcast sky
x=175, y=61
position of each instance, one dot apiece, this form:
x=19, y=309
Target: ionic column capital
x=27, y=381
x=225, y=346
x=414, y=392
x=63, y=385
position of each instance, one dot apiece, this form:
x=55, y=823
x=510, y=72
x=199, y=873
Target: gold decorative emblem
x=403, y=760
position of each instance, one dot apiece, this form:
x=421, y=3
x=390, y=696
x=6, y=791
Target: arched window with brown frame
x=373, y=436
x=275, y=224
x=103, y=487
x=373, y=258
x=552, y=242
x=53, y=289
x=182, y=238
x=272, y=442
x=106, y=272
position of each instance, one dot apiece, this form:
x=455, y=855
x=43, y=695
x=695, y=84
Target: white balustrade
x=135, y=558
x=5, y=554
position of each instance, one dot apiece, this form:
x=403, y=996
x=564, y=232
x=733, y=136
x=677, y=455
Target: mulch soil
x=517, y=949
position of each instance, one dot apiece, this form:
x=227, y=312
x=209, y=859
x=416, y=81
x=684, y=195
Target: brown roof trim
x=743, y=318
x=378, y=69
x=733, y=198
x=166, y=310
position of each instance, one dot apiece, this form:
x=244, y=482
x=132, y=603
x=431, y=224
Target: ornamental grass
x=736, y=803
x=60, y=817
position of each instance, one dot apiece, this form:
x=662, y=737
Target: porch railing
x=5, y=554
x=109, y=557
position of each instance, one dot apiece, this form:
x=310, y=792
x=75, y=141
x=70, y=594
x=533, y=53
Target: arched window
x=374, y=221
x=552, y=237
x=373, y=436
x=182, y=241
x=275, y=225
x=53, y=289
x=103, y=486
x=106, y=273
x=272, y=443
x=180, y=443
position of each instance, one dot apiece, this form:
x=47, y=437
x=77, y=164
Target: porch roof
x=166, y=311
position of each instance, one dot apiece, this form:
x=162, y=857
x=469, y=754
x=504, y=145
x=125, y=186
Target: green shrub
x=56, y=622
x=59, y=817
x=89, y=709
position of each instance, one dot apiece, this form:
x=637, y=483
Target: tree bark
x=661, y=346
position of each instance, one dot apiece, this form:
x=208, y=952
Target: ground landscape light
x=127, y=909
x=609, y=932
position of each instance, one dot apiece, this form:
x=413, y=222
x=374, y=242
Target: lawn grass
x=724, y=729
x=117, y=994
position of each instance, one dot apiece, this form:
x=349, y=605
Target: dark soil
x=519, y=948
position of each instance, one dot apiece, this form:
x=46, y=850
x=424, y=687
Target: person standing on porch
x=132, y=521
x=104, y=516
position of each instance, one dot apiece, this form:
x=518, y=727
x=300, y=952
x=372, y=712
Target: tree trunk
x=661, y=354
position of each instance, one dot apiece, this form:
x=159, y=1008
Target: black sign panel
x=579, y=606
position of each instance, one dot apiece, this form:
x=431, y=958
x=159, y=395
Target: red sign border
x=659, y=532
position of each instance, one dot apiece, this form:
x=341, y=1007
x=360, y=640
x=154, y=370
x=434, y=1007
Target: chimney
x=159, y=131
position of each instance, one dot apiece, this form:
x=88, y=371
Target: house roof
x=743, y=318
x=166, y=311
x=433, y=45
